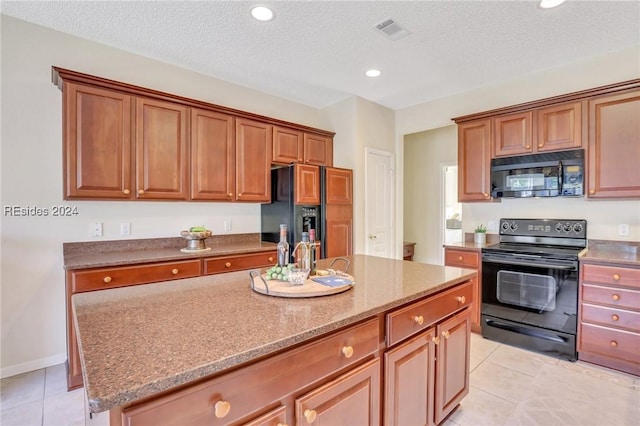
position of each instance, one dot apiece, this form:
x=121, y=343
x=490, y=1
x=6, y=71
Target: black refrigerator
x=299, y=218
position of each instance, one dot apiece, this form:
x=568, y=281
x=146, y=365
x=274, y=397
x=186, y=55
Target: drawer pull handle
x=445, y=334
x=613, y=344
x=228, y=264
x=174, y=271
x=616, y=277
x=140, y=191
x=125, y=192
x=436, y=340
x=615, y=297
x=418, y=319
x=347, y=351
x=460, y=258
x=222, y=408
x=614, y=317
x=310, y=415
x=461, y=299
x=107, y=279
x=270, y=259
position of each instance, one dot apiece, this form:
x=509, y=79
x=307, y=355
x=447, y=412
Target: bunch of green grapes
x=280, y=273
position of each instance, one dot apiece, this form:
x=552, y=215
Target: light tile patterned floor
x=509, y=386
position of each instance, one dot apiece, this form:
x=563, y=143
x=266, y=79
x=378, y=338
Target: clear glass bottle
x=304, y=254
x=312, y=251
x=283, y=247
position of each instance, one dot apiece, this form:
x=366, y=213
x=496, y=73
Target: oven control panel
x=568, y=228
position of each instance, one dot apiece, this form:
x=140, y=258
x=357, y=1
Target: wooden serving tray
x=310, y=288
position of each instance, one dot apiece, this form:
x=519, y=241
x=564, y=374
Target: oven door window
x=527, y=290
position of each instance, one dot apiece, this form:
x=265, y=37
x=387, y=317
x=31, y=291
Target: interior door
x=379, y=203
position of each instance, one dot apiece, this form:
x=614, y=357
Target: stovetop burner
x=557, y=252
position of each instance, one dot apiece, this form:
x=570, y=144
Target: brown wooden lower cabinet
x=353, y=376
x=471, y=259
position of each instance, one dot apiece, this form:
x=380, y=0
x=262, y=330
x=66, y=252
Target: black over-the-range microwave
x=552, y=174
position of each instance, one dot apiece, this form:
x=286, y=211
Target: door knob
x=373, y=237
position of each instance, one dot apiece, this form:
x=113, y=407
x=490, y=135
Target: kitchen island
x=210, y=350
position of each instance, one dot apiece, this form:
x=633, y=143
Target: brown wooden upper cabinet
x=307, y=188
x=97, y=143
x=296, y=146
x=213, y=163
x=474, y=161
x=614, y=146
x=553, y=128
x=162, y=156
x=253, y=160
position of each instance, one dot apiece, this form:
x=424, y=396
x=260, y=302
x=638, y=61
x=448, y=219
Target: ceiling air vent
x=391, y=29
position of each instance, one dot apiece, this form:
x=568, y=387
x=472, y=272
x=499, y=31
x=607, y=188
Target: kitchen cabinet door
x=318, y=149
x=162, y=154
x=513, y=134
x=474, y=161
x=339, y=186
x=97, y=143
x=559, y=127
x=288, y=145
x=253, y=160
x=307, y=187
x=212, y=156
x=339, y=235
x=351, y=399
x=470, y=259
x=614, y=146
x=409, y=371
x=452, y=380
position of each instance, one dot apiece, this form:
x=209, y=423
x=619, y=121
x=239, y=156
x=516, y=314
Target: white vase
x=479, y=237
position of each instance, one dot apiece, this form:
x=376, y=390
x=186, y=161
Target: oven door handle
x=569, y=267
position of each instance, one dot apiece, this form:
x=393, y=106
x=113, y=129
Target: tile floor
x=509, y=386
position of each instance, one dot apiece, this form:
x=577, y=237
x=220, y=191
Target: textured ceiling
x=316, y=52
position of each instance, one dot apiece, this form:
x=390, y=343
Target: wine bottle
x=283, y=247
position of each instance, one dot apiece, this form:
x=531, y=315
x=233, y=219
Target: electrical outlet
x=125, y=228
x=623, y=229
x=227, y=225
x=95, y=229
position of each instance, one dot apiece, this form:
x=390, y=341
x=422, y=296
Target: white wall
x=603, y=216
x=33, y=301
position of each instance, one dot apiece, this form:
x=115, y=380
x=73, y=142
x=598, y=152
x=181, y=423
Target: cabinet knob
x=528, y=146
x=613, y=344
x=436, y=340
x=270, y=259
x=140, y=191
x=107, y=279
x=486, y=195
x=310, y=415
x=592, y=191
x=445, y=334
x=222, y=408
x=281, y=424
x=615, y=297
x=230, y=194
x=347, y=351
x=125, y=192
x=461, y=299
x=239, y=194
x=614, y=317
x=460, y=258
x=616, y=277
x=418, y=319
x=174, y=271
x=228, y=264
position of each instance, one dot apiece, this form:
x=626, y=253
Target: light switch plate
x=623, y=229
x=125, y=228
x=95, y=229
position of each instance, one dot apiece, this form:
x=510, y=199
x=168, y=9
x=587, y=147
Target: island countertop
x=138, y=341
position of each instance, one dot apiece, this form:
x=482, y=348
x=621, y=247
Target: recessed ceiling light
x=262, y=13
x=373, y=73
x=548, y=4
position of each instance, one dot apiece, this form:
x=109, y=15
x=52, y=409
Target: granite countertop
x=621, y=252
x=82, y=255
x=138, y=341
x=468, y=243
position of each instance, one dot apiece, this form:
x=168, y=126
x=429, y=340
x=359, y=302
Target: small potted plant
x=480, y=234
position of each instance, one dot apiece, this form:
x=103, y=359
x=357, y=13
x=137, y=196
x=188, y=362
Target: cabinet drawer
x=461, y=258
x=611, y=275
x=624, y=345
x=611, y=296
x=420, y=315
x=611, y=316
x=218, y=265
x=98, y=279
x=249, y=390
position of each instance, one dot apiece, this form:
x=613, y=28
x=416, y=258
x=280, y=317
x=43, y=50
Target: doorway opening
x=451, y=213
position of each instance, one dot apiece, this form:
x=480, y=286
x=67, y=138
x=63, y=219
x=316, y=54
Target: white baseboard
x=36, y=364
